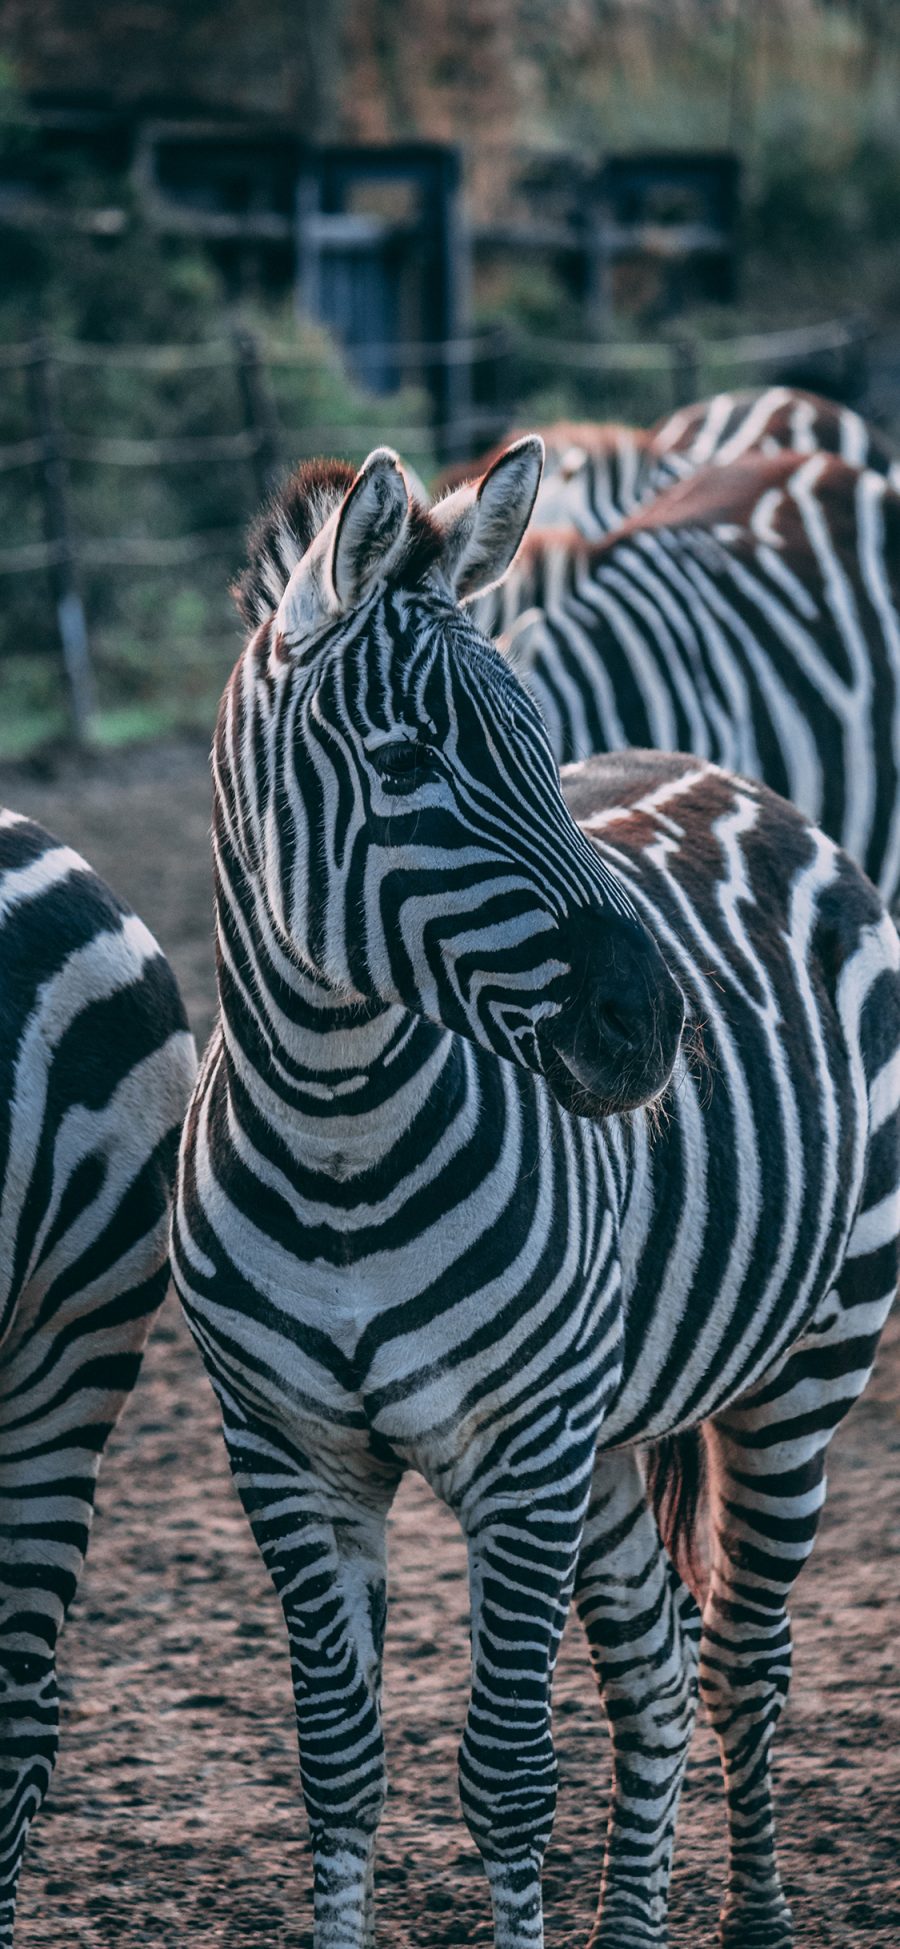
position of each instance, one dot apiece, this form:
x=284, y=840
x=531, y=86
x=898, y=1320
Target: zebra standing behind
x=596, y=473
x=600, y=473
x=750, y=614
x=417, y=1226
x=97, y=1065
x=778, y=419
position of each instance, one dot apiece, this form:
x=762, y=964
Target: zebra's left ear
x=351, y=550
x=483, y=525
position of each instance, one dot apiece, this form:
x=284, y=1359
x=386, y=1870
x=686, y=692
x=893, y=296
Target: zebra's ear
x=483, y=525
x=416, y=486
x=352, y=548
x=371, y=526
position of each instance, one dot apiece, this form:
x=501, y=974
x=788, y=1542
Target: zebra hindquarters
x=642, y=1626
x=767, y=1487
x=63, y=1384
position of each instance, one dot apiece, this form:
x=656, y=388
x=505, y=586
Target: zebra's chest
x=416, y=1325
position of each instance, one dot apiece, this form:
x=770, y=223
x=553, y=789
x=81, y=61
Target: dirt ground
x=175, y=1816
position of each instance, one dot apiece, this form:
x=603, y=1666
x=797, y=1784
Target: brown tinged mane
x=281, y=534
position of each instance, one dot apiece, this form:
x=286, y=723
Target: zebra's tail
x=676, y=1483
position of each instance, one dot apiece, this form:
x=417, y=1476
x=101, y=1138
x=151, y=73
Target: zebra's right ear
x=371, y=527
x=483, y=525
x=351, y=551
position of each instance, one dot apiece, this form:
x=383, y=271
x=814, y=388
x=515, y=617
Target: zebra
x=97, y=1064
x=750, y=614
x=599, y=473
x=780, y=418
x=461, y=1191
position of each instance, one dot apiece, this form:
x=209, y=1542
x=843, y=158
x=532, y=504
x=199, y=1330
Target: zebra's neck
x=338, y=1082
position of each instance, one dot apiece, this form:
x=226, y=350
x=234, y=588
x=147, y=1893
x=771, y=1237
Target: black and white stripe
x=750, y=614
x=599, y=474
x=729, y=426
x=417, y=1227
x=97, y=1065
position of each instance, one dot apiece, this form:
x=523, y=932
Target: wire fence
x=502, y=369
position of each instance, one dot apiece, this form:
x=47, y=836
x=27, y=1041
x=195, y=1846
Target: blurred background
x=234, y=235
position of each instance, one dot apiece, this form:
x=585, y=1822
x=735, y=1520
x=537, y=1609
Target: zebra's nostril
x=616, y=1026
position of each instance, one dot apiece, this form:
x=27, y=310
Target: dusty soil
x=175, y=1817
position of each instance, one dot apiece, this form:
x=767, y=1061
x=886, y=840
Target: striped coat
x=751, y=614
x=97, y=1065
x=418, y=1227
x=780, y=419
x=600, y=474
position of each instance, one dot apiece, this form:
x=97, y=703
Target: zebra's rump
x=741, y=1201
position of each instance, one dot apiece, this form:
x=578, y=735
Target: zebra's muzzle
x=613, y=1044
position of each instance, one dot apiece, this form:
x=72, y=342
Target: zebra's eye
x=405, y=764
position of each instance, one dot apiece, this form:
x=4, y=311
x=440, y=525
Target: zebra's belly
x=723, y=1345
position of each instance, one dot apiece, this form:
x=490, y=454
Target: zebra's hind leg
x=322, y=1535
x=767, y=1487
x=643, y=1629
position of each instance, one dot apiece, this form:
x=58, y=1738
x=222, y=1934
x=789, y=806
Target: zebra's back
x=750, y=614
x=730, y=425
x=597, y=474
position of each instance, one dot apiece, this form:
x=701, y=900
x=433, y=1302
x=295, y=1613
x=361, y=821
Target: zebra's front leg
x=643, y=1629
x=323, y=1541
x=522, y=1554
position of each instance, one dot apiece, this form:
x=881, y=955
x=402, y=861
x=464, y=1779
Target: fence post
x=260, y=417
x=63, y=566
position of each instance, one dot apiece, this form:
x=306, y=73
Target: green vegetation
x=805, y=89
x=162, y=638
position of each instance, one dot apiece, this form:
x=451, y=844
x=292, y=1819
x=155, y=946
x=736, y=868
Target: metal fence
x=509, y=368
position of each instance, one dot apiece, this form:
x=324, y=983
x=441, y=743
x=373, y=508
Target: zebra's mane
x=294, y=515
